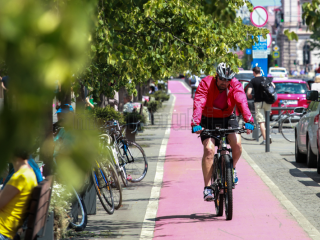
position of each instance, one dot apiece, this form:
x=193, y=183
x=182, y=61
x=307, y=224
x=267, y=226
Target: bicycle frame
x=222, y=151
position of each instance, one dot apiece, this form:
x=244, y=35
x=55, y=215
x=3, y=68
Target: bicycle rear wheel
x=218, y=198
x=103, y=189
x=287, y=128
x=248, y=137
x=77, y=215
x=114, y=182
x=136, y=162
x=228, y=182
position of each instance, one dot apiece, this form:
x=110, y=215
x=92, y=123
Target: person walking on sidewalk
x=213, y=107
x=260, y=106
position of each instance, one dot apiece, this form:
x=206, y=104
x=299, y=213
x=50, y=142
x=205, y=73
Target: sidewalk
x=182, y=213
x=126, y=223
x=295, y=181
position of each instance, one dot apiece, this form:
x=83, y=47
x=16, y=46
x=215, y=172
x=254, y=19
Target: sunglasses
x=224, y=79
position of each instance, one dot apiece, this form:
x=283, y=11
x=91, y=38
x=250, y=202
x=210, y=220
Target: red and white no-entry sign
x=259, y=16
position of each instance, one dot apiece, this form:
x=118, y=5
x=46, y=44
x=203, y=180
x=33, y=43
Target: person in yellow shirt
x=15, y=197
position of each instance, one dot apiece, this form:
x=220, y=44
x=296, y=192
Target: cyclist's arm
x=200, y=100
x=242, y=103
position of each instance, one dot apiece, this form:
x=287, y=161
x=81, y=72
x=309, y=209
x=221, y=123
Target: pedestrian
x=260, y=105
x=152, y=89
x=194, y=83
x=128, y=106
x=15, y=196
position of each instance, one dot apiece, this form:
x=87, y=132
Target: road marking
x=185, y=85
x=303, y=222
x=152, y=208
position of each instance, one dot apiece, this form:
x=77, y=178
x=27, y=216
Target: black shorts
x=213, y=123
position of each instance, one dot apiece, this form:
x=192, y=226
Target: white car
x=278, y=72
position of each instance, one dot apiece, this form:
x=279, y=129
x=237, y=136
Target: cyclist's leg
x=207, y=159
x=235, y=144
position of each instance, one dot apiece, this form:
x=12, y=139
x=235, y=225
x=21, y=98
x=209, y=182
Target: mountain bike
x=222, y=181
x=285, y=123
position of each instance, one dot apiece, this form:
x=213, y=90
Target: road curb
x=303, y=222
x=148, y=224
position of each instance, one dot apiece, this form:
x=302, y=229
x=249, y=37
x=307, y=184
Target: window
x=278, y=71
x=291, y=88
x=244, y=76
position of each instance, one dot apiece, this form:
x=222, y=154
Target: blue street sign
x=261, y=45
x=260, y=55
x=248, y=51
x=262, y=63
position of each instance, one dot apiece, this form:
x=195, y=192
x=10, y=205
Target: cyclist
x=213, y=106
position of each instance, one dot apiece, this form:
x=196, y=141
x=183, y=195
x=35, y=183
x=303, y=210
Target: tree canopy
x=137, y=40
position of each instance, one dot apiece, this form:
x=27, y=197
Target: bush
x=154, y=105
x=134, y=117
x=161, y=96
x=107, y=114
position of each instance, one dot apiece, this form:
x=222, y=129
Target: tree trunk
x=102, y=101
x=139, y=92
x=80, y=101
x=46, y=149
x=66, y=92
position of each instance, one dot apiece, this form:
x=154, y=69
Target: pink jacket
x=207, y=92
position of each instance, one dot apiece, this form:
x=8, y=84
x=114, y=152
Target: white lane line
x=152, y=208
x=186, y=86
x=303, y=222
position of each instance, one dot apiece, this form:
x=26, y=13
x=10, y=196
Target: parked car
x=307, y=134
x=278, y=72
x=244, y=76
x=292, y=90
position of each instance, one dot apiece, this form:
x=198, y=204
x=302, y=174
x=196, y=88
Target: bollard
x=267, y=115
x=255, y=132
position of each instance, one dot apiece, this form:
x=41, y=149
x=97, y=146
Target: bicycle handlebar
x=222, y=131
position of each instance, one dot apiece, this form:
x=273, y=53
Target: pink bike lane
x=182, y=213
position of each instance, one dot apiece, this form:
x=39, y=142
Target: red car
x=293, y=91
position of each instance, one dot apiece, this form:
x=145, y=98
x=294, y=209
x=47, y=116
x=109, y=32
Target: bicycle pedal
x=129, y=178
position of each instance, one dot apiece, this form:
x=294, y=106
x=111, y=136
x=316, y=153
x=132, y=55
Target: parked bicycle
x=285, y=124
x=129, y=157
x=222, y=181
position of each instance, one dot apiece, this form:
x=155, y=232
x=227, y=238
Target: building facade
x=294, y=55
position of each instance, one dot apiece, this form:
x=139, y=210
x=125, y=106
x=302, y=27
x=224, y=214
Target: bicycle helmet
x=225, y=71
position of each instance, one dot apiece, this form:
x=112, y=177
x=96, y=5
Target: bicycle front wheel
x=218, y=198
x=287, y=128
x=103, y=189
x=77, y=215
x=228, y=182
x=136, y=162
x=114, y=182
x=245, y=136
